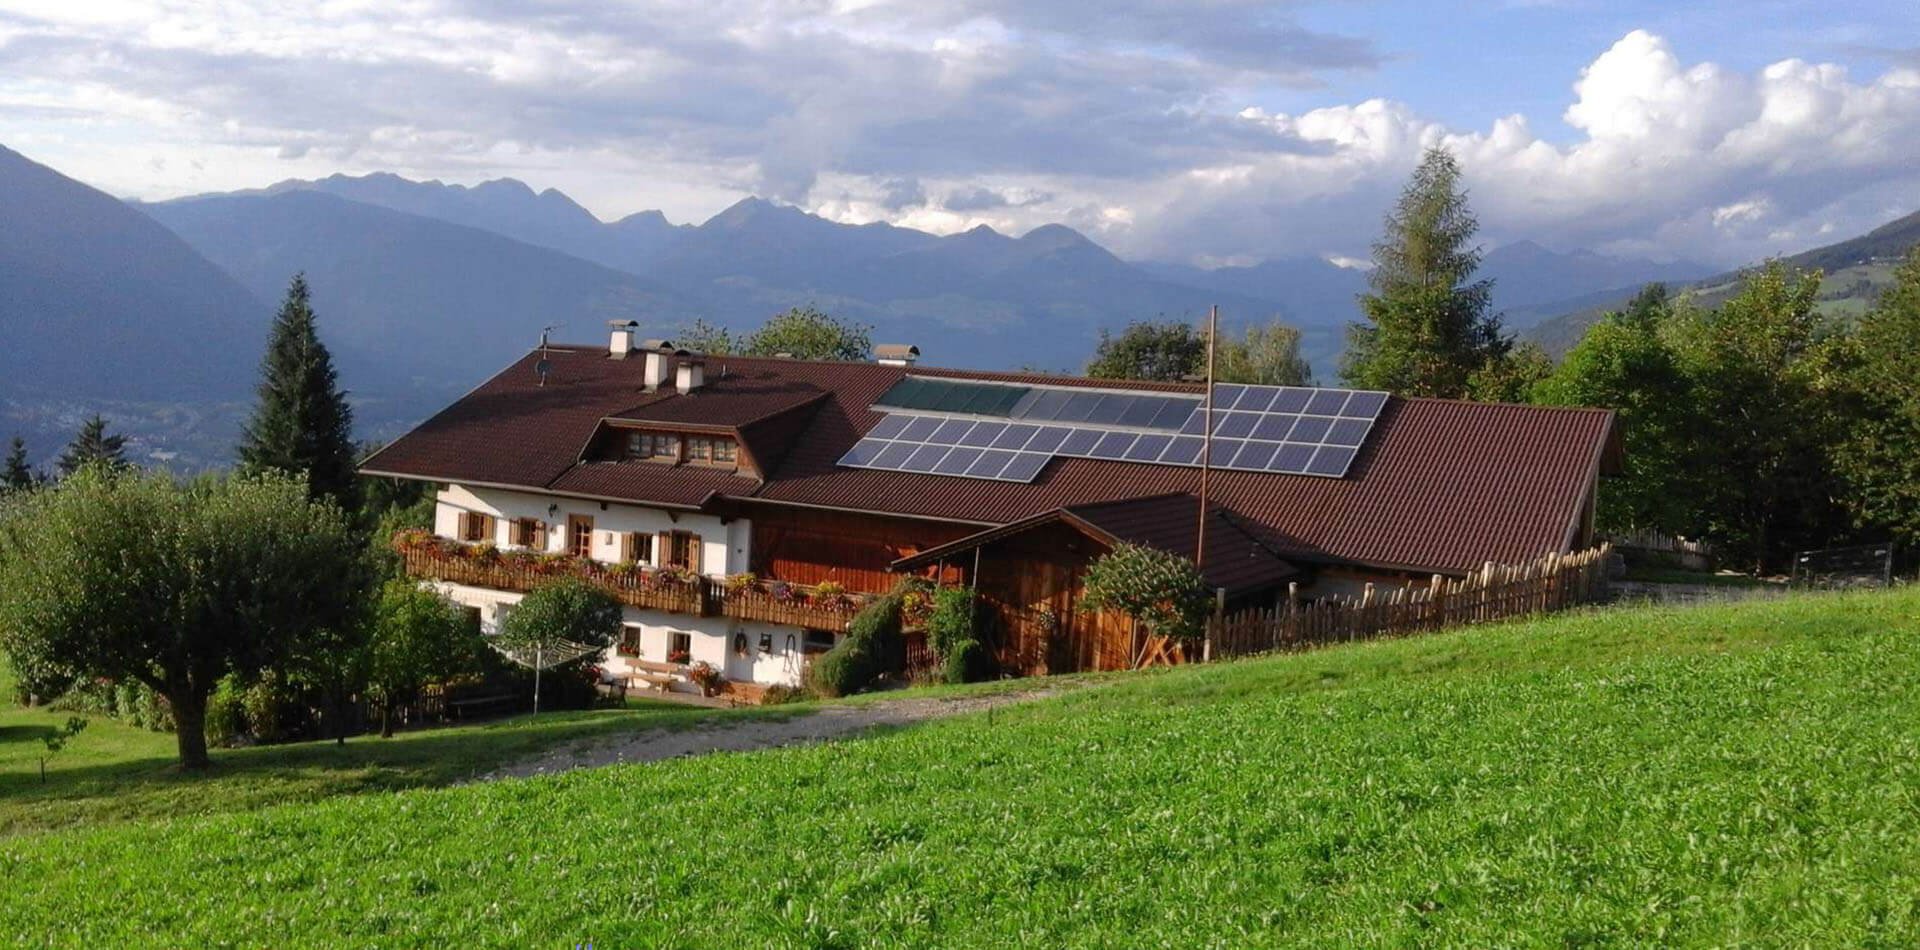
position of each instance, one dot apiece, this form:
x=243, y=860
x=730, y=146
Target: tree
x=1166, y=351
x=301, y=424
x=1428, y=326
x=15, y=474
x=703, y=337
x=1160, y=589
x=1267, y=355
x=1623, y=364
x=93, y=445
x=1880, y=455
x=135, y=576
x=1512, y=377
x=559, y=622
x=416, y=638
x=807, y=334
x=1760, y=375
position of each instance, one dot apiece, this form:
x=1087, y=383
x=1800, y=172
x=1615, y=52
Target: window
x=818, y=641
x=475, y=526
x=679, y=647
x=580, y=535
x=711, y=451
x=529, y=533
x=682, y=549
x=653, y=445
x=629, y=644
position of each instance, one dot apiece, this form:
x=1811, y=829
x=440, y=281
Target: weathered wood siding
x=808, y=547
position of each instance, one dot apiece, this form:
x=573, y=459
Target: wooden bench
x=660, y=676
x=456, y=708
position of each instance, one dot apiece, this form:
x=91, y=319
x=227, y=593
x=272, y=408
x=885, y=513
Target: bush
x=841, y=671
x=781, y=694
x=226, y=713
x=1161, y=590
x=969, y=662
x=953, y=621
x=127, y=701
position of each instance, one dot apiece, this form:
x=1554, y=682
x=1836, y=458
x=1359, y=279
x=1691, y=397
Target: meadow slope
x=1720, y=775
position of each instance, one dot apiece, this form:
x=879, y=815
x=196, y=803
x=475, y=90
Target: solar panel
x=1278, y=429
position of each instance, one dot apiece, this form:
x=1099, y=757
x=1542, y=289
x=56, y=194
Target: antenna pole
x=1206, y=440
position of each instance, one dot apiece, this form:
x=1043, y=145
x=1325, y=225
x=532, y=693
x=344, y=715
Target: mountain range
x=424, y=288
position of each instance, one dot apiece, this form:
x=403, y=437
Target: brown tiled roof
x=1238, y=558
x=1440, y=484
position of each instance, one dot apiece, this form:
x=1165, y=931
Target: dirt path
x=825, y=724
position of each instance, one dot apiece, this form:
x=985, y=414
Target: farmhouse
x=742, y=508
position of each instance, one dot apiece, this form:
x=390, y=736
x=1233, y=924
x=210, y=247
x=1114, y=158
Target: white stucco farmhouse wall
x=725, y=549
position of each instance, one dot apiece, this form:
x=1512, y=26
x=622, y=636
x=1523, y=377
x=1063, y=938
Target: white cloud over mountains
x=1137, y=125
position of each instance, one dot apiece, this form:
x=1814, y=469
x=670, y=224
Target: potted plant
x=781, y=592
x=830, y=595
x=679, y=657
x=706, y=676
x=739, y=583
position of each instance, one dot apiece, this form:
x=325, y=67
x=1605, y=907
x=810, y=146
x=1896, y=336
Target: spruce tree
x=302, y=424
x=93, y=444
x=1429, y=327
x=16, y=474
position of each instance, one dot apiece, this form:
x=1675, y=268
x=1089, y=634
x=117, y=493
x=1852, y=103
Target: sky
x=1210, y=132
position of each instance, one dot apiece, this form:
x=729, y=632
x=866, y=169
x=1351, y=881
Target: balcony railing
x=822, y=608
x=652, y=590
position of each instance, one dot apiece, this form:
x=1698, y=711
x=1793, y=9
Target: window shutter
x=629, y=542
x=663, y=549
x=538, y=540
x=463, y=526
x=489, y=528
x=693, y=553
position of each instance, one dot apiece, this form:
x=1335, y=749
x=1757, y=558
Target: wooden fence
x=1554, y=582
x=1688, y=553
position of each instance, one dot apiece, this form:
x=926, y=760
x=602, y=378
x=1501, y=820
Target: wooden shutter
x=663, y=549
x=629, y=547
x=693, y=553
x=489, y=528
x=538, y=538
x=463, y=526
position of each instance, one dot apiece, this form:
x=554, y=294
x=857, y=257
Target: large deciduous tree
x=1880, y=458
x=302, y=424
x=808, y=334
x=129, y=575
x=1167, y=350
x=416, y=638
x=1762, y=396
x=1429, y=325
x=1623, y=364
x=94, y=445
x=1266, y=354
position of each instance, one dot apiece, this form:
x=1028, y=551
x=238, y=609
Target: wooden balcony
x=646, y=589
x=791, y=604
x=429, y=558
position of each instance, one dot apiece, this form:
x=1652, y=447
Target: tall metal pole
x=1206, y=439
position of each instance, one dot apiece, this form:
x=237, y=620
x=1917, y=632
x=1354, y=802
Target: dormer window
x=653, y=445
x=711, y=450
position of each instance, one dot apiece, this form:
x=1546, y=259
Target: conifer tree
x=1429, y=323
x=93, y=444
x=15, y=473
x=302, y=424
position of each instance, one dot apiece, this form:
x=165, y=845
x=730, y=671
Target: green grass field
x=114, y=772
x=1744, y=774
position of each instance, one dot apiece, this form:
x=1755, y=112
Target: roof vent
x=691, y=375
x=896, y=354
x=661, y=357
x=621, y=342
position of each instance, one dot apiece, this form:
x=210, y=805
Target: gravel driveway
x=821, y=725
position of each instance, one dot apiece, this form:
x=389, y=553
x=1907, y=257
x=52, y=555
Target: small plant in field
x=1163, y=591
x=57, y=740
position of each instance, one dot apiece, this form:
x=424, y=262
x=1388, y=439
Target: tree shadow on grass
x=154, y=786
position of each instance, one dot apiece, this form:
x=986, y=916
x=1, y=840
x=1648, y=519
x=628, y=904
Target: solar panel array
x=1009, y=433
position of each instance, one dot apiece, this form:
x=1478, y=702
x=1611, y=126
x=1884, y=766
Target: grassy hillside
x=1856, y=271
x=1715, y=775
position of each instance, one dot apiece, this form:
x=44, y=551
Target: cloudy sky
x=1212, y=131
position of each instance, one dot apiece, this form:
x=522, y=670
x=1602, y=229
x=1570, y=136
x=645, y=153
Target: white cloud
x=1134, y=125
